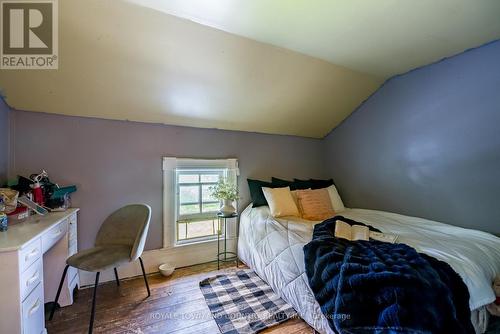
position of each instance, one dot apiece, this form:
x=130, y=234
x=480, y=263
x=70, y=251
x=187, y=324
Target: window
x=196, y=209
x=189, y=209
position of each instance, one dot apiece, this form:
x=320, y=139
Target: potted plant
x=226, y=192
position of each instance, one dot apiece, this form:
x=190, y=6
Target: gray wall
x=4, y=140
x=427, y=143
x=118, y=162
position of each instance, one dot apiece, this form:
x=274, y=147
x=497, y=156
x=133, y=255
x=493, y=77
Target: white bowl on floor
x=166, y=269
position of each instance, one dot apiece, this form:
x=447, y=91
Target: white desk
x=32, y=258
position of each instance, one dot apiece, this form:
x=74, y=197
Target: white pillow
x=280, y=202
x=337, y=204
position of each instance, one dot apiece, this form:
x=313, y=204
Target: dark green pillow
x=256, y=193
x=312, y=183
x=280, y=183
x=319, y=184
x=302, y=184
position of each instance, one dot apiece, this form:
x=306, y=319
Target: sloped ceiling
x=134, y=60
x=382, y=37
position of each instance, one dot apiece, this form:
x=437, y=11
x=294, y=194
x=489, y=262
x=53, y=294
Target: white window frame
x=170, y=197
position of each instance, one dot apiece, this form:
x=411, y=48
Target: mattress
x=272, y=247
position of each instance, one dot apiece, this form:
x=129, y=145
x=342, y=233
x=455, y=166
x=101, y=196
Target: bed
x=272, y=247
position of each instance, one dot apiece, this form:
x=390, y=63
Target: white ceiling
x=300, y=69
x=380, y=37
x=121, y=61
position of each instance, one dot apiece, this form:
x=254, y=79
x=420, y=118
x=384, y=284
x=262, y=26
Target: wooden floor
x=176, y=306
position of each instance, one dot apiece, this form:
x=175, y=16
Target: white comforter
x=273, y=248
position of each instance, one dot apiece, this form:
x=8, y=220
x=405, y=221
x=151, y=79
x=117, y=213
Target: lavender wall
x=4, y=140
x=427, y=143
x=118, y=162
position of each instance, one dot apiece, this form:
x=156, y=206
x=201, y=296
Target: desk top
x=20, y=234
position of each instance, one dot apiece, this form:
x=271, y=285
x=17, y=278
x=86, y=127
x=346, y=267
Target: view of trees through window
x=196, y=208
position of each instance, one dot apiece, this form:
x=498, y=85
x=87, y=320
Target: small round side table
x=224, y=255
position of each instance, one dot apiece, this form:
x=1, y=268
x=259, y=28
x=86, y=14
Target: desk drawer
x=31, y=277
x=32, y=308
x=53, y=235
x=73, y=218
x=72, y=231
x=30, y=254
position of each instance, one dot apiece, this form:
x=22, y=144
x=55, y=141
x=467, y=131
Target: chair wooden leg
x=92, y=314
x=58, y=292
x=116, y=278
x=144, y=275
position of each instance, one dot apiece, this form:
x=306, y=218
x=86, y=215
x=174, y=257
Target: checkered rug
x=241, y=302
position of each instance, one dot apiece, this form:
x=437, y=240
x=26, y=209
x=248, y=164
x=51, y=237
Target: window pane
x=189, y=194
x=188, y=209
x=210, y=177
x=182, y=230
x=188, y=178
x=211, y=207
x=197, y=229
x=205, y=194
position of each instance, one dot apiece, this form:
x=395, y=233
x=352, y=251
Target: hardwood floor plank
x=203, y=327
x=176, y=306
x=290, y=326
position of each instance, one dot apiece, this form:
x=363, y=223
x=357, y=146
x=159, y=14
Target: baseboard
x=180, y=256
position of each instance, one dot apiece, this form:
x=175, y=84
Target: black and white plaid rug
x=241, y=302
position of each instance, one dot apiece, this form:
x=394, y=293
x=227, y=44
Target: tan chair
x=120, y=240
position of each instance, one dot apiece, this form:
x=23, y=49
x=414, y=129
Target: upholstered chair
x=120, y=240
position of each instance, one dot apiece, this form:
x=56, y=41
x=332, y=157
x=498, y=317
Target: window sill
x=190, y=243
x=200, y=242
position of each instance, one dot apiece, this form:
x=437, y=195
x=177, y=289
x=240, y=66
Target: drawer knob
x=32, y=279
x=31, y=254
x=34, y=308
x=57, y=234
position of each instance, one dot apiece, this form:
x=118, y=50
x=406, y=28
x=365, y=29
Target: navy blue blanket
x=379, y=287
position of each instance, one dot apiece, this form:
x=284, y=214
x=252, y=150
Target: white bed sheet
x=273, y=248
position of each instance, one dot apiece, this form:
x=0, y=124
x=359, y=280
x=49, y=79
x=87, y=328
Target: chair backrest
x=126, y=226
